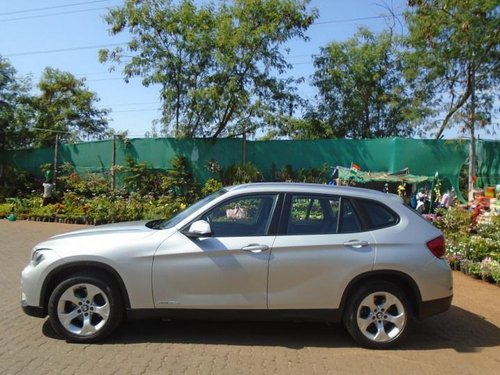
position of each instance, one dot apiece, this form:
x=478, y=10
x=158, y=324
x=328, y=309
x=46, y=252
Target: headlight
x=37, y=257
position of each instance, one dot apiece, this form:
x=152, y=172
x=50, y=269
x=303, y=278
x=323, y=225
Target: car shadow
x=456, y=329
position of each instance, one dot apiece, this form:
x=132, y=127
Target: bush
x=211, y=186
x=241, y=174
x=455, y=224
x=178, y=182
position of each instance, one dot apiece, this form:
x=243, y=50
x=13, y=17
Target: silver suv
x=267, y=250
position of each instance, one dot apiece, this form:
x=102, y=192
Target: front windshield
x=172, y=222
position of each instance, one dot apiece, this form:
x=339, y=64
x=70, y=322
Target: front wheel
x=378, y=316
x=85, y=308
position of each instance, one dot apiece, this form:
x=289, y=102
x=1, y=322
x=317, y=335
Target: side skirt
x=325, y=315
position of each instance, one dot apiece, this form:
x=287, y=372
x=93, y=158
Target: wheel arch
x=400, y=279
x=62, y=272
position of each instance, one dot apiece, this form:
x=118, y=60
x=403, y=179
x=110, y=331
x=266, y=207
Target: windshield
x=172, y=222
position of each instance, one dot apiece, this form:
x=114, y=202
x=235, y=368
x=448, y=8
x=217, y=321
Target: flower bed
x=472, y=249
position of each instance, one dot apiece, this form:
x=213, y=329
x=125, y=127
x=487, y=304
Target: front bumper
x=36, y=311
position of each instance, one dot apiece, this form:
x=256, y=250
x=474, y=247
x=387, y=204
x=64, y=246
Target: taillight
x=437, y=247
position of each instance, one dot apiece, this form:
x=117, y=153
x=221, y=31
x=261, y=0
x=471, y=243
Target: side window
x=313, y=215
x=349, y=221
x=242, y=216
x=377, y=214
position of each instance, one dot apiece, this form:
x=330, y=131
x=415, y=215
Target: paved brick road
x=464, y=340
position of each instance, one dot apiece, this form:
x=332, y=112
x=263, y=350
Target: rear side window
x=377, y=215
x=349, y=221
x=312, y=215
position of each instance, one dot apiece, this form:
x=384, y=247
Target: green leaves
x=455, y=54
x=15, y=108
x=362, y=90
x=66, y=106
x=214, y=62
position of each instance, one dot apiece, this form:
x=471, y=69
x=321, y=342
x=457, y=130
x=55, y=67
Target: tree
x=214, y=63
x=362, y=90
x=456, y=55
x=309, y=126
x=15, y=108
x=66, y=107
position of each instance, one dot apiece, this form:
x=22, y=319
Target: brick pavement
x=464, y=340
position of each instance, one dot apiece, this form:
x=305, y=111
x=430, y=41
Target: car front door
x=320, y=247
x=227, y=270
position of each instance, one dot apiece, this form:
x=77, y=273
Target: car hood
x=131, y=230
x=110, y=237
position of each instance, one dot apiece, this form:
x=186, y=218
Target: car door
x=320, y=247
x=227, y=270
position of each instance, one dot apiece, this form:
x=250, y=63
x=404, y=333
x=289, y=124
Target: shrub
x=495, y=272
x=211, y=186
x=141, y=178
x=240, y=173
x=179, y=183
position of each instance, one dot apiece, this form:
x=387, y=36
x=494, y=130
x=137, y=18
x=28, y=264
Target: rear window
x=377, y=215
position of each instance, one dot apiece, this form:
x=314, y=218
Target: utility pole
x=472, y=125
x=56, y=148
x=113, y=163
x=244, y=147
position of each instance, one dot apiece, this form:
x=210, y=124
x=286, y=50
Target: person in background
x=447, y=199
x=48, y=192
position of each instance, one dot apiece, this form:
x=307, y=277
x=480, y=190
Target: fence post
x=56, y=149
x=113, y=163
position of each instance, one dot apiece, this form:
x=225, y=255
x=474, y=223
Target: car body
x=253, y=251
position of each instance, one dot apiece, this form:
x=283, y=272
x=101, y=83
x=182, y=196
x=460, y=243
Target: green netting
x=421, y=157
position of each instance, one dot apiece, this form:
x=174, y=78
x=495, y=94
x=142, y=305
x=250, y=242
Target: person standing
x=447, y=199
x=48, y=193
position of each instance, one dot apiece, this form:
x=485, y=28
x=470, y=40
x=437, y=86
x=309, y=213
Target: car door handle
x=255, y=248
x=356, y=244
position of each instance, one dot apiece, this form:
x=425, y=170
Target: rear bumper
x=434, y=307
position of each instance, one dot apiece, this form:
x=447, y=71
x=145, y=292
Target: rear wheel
x=85, y=308
x=378, y=316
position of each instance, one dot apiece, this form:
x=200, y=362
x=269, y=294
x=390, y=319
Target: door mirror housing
x=199, y=228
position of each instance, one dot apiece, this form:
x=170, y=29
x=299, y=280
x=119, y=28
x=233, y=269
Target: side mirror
x=199, y=228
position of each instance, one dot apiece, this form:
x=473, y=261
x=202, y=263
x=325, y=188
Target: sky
x=67, y=34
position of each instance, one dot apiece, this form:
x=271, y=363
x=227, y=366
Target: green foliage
x=310, y=126
x=491, y=230
x=213, y=62
x=66, y=106
x=6, y=209
x=455, y=223
x=286, y=174
x=15, y=108
x=179, y=182
x=475, y=252
x=314, y=175
x=495, y=273
x=362, y=89
x=87, y=185
x=211, y=186
x=141, y=178
x=453, y=59
x=16, y=183
x=240, y=173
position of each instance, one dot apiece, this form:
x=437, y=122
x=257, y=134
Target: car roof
x=294, y=187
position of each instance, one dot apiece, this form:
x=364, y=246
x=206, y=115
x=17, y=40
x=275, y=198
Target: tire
x=378, y=316
x=85, y=308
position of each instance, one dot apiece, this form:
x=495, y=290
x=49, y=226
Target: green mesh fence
x=422, y=157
